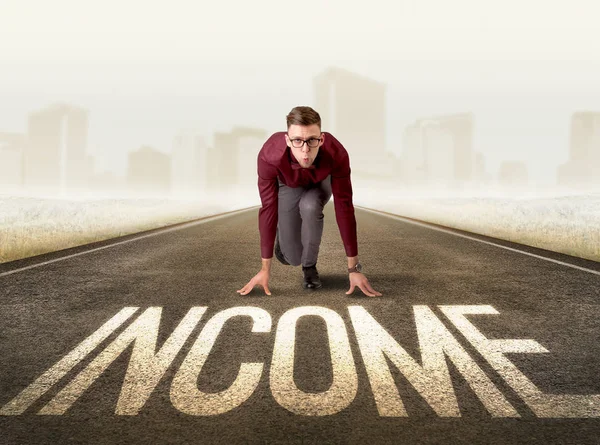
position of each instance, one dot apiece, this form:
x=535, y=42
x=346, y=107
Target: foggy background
x=174, y=100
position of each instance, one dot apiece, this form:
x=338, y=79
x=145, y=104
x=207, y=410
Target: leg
x=311, y=206
x=289, y=223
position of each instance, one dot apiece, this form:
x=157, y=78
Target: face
x=305, y=155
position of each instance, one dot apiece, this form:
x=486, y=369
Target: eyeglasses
x=299, y=143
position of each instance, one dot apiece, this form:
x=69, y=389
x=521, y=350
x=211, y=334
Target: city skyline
x=147, y=71
x=436, y=150
x=500, y=134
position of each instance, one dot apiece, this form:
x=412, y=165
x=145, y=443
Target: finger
x=247, y=289
x=267, y=291
x=352, y=286
x=365, y=290
x=373, y=291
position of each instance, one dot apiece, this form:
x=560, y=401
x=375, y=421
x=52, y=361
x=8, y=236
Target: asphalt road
x=408, y=367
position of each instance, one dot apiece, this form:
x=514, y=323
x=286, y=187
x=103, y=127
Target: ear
x=322, y=139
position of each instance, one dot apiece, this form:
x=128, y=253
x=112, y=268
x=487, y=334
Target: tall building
x=11, y=160
x=249, y=145
x=480, y=176
x=414, y=167
x=55, y=156
x=583, y=166
x=352, y=108
x=233, y=157
x=149, y=172
x=189, y=165
x=439, y=151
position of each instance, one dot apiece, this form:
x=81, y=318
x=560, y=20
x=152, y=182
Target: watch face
x=359, y=267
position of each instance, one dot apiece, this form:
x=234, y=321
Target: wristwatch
x=357, y=268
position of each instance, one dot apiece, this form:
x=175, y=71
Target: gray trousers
x=300, y=221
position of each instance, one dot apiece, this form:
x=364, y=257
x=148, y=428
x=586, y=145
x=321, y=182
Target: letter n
x=146, y=366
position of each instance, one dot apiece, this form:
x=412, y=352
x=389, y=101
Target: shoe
x=279, y=253
x=311, y=277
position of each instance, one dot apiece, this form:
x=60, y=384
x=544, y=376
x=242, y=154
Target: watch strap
x=356, y=268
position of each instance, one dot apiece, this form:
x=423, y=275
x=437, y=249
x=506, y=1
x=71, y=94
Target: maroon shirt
x=275, y=160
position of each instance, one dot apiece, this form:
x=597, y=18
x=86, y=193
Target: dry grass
x=32, y=226
x=565, y=224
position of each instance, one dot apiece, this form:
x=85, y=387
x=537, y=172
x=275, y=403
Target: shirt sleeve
x=341, y=187
x=268, y=188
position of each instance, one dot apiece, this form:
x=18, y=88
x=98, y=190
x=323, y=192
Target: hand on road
x=261, y=278
x=359, y=279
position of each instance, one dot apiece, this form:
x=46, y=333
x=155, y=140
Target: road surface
x=144, y=339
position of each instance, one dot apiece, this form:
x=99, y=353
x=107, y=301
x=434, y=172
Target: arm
x=268, y=188
x=267, y=224
x=341, y=186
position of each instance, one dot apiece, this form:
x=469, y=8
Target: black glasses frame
x=305, y=141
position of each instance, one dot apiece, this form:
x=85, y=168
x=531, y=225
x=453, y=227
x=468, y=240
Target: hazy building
x=583, y=165
x=189, y=165
x=222, y=161
x=55, y=154
x=439, y=151
x=227, y=163
x=353, y=108
x=149, y=172
x=11, y=160
x=480, y=176
x=438, y=146
x=513, y=174
x=249, y=145
x=414, y=168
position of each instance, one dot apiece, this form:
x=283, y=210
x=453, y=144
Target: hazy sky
x=147, y=69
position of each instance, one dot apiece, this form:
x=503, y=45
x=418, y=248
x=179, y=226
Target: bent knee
x=310, y=207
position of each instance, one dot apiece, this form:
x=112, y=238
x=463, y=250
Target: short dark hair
x=303, y=116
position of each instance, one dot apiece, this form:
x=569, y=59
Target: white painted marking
x=344, y=387
x=49, y=378
x=451, y=232
x=137, y=238
x=145, y=366
x=431, y=379
x=494, y=350
x=185, y=394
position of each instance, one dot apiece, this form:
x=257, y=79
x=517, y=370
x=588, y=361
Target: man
x=297, y=173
